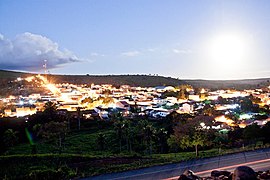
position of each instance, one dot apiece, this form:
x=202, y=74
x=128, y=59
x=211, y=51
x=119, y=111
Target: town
x=102, y=101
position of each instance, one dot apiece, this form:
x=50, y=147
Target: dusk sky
x=186, y=39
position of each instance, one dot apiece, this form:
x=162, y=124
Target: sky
x=186, y=39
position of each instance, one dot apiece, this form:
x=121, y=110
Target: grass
x=75, y=143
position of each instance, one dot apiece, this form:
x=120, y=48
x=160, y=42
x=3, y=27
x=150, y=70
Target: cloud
x=152, y=49
x=131, y=53
x=94, y=54
x=182, y=51
x=27, y=51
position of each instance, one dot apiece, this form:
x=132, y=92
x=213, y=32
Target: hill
x=116, y=80
x=230, y=84
x=143, y=80
x=11, y=74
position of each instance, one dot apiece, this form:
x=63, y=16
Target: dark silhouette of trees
x=119, y=126
x=10, y=137
x=148, y=131
x=128, y=134
x=54, y=131
x=192, y=133
x=78, y=109
x=161, y=136
x=101, y=141
x=50, y=109
x=235, y=137
x=246, y=104
x=266, y=132
x=252, y=133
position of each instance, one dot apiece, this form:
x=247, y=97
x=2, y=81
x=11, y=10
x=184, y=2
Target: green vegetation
x=64, y=166
x=11, y=74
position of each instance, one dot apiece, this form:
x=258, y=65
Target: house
x=123, y=105
x=194, y=97
x=90, y=113
x=164, y=88
x=187, y=107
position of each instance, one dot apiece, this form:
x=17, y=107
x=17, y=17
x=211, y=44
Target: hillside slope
x=118, y=80
x=142, y=80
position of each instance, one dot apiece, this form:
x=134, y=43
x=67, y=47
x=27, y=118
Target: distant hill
x=230, y=84
x=143, y=80
x=12, y=74
x=118, y=80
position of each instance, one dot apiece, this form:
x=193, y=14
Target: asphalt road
x=258, y=160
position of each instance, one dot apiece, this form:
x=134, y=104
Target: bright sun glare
x=228, y=49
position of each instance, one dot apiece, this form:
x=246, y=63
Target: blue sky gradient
x=140, y=37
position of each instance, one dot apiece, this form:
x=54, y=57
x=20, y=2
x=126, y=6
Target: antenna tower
x=45, y=67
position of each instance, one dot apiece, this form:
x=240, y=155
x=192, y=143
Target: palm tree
x=161, y=136
x=79, y=117
x=50, y=107
x=128, y=133
x=118, y=126
x=148, y=131
x=50, y=110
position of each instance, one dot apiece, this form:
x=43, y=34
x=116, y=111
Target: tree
x=246, y=104
x=183, y=93
x=252, y=133
x=161, y=136
x=208, y=110
x=235, y=136
x=50, y=111
x=128, y=134
x=184, y=142
x=173, y=143
x=107, y=100
x=101, y=141
x=79, y=117
x=255, y=100
x=266, y=132
x=56, y=131
x=50, y=108
x=148, y=131
x=87, y=100
x=221, y=139
x=198, y=140
x=118, y=126
x=10, y=137
x=2, y=106
x=191, y=133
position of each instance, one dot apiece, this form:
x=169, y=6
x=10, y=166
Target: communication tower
x=45, y=67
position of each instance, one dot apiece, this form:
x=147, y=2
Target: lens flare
x=29, y=136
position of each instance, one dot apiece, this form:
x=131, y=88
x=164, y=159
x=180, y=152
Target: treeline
x=175, y=133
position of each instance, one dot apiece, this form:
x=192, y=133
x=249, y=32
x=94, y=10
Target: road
x=258, y=160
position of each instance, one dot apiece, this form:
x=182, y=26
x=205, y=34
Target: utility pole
x=45, y=69
x=45, y=66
